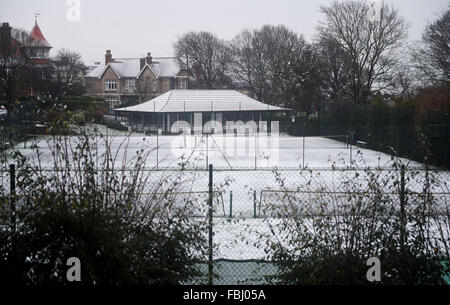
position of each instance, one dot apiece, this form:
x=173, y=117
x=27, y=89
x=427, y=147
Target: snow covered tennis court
x=234, y=160
x=229, y=152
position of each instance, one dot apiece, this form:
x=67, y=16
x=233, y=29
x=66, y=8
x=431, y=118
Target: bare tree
x=431, y=56
x=306, y=81
x=405, y=86
x=210, y=54
x=250, y=63
x=275, y=63
x=335, y=67
x=142, y=88
x=69, y=71
x=371, y=37
x=13, y=61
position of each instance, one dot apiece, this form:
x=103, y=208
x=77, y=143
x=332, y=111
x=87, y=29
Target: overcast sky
x=130, y=28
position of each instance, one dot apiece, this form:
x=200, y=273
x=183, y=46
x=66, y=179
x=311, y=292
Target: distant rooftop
x=185, y=100
x=37, y=39
x=131, y=67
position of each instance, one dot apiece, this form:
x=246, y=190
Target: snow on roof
x=96, y=71
x=167, y=66
x=185, y=100
x=127, y=67
x=131, y=67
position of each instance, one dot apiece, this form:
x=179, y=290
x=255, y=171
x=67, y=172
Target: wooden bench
x=361, y=144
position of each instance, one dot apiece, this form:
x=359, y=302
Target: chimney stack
x=5, y=38
x=148, y=59
x=108, y=57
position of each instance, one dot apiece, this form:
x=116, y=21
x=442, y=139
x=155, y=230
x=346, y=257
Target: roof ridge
x=126, y=58
x=222, y=100
x=143, y=57
x=167, y=101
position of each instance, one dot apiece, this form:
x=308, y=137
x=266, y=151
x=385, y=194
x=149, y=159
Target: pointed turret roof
x=37, y=38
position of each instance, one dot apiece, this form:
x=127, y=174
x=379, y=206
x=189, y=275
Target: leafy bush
x=326, y=231
x=94, y=107
x=123, y=229
x=113, y=124
x=78, y=118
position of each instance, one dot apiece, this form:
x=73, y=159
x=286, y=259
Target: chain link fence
x=244, y=207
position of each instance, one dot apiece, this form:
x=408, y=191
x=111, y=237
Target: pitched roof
x=37, y=39
x=131, y=67
x=185, y=100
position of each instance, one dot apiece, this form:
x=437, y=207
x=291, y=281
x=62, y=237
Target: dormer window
x=110, y=85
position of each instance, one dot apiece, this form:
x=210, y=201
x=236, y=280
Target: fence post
x=255, y=150
x=402, y=209
x=303, y=147
x=231, y=204
x=12, y=190
x=207, y=151
x=254, y=204
x=351, y=144
x=157, y=145
x=446, y=142
x=210, y=224
x=11, y=135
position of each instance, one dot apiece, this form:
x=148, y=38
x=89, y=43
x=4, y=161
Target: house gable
x=183, y=72
x=110, y=74
x=148, y=80
x=108, y=69
x=145, y=71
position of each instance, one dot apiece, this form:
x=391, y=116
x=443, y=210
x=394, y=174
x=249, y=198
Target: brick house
x=28, y=57
x=129, y=81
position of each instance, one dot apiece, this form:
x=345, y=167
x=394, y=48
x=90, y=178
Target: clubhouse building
x=201, y=111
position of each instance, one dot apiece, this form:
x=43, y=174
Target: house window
x=183, y=83
x=154, y=85
x=110, y=85
x=130, y=84
x=112, y=101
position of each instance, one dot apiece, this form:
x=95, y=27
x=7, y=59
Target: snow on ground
x=248, y=186
x=226, y=152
